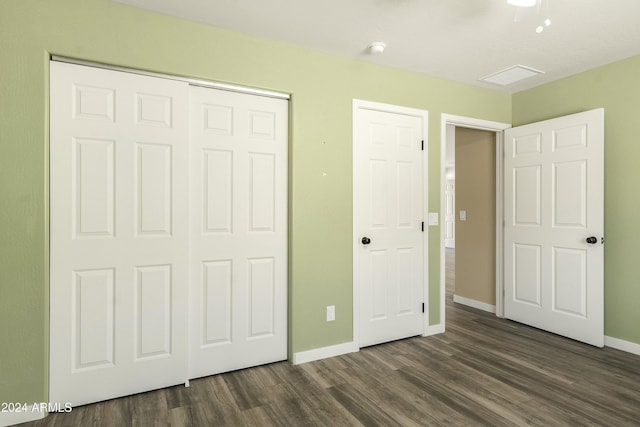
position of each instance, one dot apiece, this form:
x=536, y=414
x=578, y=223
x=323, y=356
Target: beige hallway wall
x=475, y=194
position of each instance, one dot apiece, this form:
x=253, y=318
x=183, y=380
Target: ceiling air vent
x=511, y=75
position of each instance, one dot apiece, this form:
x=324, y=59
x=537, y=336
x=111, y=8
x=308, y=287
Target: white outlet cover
x=433, y=218
x=331, y=313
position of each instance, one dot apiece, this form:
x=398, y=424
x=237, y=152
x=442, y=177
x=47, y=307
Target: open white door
x=554, y=225
x=389, y=260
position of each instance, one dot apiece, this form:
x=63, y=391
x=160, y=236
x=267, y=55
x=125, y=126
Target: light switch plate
x=331, y=313
x=463, y=215
x=433, y=218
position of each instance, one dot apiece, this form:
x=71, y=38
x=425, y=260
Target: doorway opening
x=470, y=216
x=470, y=128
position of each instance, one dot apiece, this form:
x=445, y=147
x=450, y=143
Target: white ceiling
x=462, y=40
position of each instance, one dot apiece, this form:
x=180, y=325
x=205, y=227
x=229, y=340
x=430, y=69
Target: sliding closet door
x=119, y=233
x=238, y=231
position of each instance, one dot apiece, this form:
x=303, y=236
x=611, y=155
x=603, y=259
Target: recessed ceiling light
x=511, y=75
x=376, y=47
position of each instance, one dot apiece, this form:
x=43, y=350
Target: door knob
x=592, y=240
x=366, y=240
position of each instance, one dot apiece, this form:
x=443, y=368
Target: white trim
x=475, y=304
x=352, y=347
x=499, y=307
x=424, y=116
x=390, y=108
x=324, y=352
x=498, y=128
x=434, y=330
x=618, y=344
x=12, y=418
x=473, y=123
x=356, y=212
x=193, y=82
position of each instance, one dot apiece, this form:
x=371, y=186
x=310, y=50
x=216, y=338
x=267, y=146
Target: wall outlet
x=331, y=313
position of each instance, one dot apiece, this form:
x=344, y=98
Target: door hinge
x=423, y=226
x=423, y=307
x=422, y=145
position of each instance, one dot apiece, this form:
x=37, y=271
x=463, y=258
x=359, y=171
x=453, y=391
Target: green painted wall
x=322, y=88
x=615, y=87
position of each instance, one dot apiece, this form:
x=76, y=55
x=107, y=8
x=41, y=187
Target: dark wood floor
x=482, y=371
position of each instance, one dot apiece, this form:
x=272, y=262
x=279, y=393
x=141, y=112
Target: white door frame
x=498, y=128
x=388, y=108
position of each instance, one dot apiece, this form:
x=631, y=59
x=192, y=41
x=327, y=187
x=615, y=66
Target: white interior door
x=554, y=225
x=238, y=231
x=118, y=227
x=389, y=192
x=450, y=214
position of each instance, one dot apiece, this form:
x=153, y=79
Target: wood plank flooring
x=483, y=371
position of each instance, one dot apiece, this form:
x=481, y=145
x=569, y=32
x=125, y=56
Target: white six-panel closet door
x=119, y=233
x=238, y=231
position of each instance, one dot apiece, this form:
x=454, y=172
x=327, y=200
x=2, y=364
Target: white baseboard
x=324, y=352
x=434, y=330
x=618, y=344
x=11, y=418
x=475, y=304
